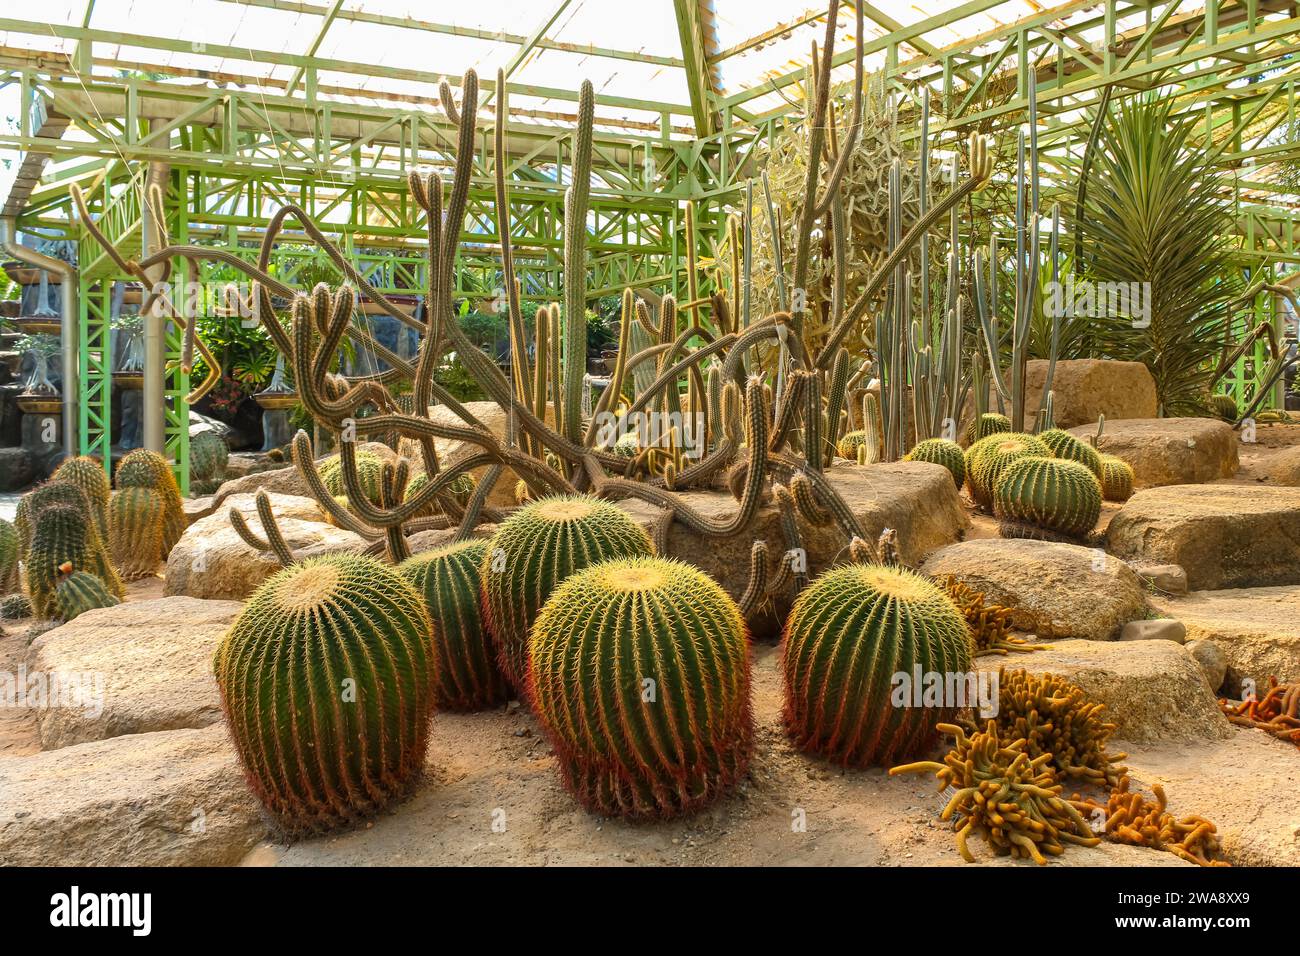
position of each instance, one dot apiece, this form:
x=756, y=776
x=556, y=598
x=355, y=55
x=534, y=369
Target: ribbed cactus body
x=1116, y=479
x=628, y=445
x=989, y=457
x=370, y=469
x=135, y=523
x=1054, y=494
x=79, y=592
x=209, y=456
x=850, y=635
x=640, y=678
x=1224, y=406
x=466, y=675
x=990, y=423
x=88, y=474
x=59, y=544
x=23, y=525
x=8, y=557
x=1064, y=445
x=533, y=551
x=94, y=552
x=148, y=469
x=849, y=444
x=940, y=451
x=326, y=678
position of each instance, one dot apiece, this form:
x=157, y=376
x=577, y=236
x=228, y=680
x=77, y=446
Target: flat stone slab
x=212, y=561
x=1169, y=451
x=152, y=661
x=175, y=798
x=1054, y=590
x=1257, y=629
x=917, y=499
x=1245, y=785
x=1223, y=536
x=1083, y=389
x=1153, y=690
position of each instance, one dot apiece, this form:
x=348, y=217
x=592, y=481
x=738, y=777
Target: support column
x=155, y=348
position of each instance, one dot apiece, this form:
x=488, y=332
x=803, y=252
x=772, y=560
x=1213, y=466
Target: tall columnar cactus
x=640, y=677
x=96, y=558
x=1116, y=478
x=466, y=674
x=982, y=426
x=148, y=469
x=989, y=457
x=209, y=456
x=59, y=545
x=135, y=523
x=326, y=680
x=88, y=474
x=940, y=451
x=1055, y=495
x=78, y=592
x=861, y=644
x=533, y=551
x=1065, y=445
x=8, y=557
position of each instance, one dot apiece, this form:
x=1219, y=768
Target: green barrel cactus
x=60, y=544
x=135, y=522
x=23, y=525
x=148, y=469
x=862, y=644
x=15, y=606
x=1224, y=406
x=460, y=489
x=1064, y=445
x=533, y=551
x=326, y=680
x=8, y=557
x=988, y=457
x=78, y=592
x=93, y=555
x=628, y=445
x=990, y=423
x=370, y=471
x=940, y=451
x=466, y=673
x=849, y=444
x=1051, y=494
x=209, y=457
x=88, y=474
x=640, y=678
x=1116, y=478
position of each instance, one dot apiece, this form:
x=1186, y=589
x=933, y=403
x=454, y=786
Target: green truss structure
x=238, y=147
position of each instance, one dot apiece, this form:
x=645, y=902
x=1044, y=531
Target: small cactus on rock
x=850, y=634
x=940, y=451
x=640, y=678
x=1050, y=494
x=326, y=679
x=533, y=551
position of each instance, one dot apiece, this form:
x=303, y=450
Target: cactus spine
x=148, y=469
x=640, y=677
x=326, y=680
x=8, y=557
x=1053, y=494
x=849, y=633
x=982, y=426
x=95, y=557
x=88, y=474
x=79, y=592
x=1116, y=478
x=989, y=457
x=533, y=551
x=466, y=674
x=135, y=523
x=940, y=451
x=59, y=543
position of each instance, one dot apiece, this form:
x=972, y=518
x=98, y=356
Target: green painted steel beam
x=698, y=73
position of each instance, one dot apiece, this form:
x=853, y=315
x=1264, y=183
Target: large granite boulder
x=1153, y=690
x=174, y=798
x=916, y=499
x=1083, y=389
x=17, y=469
x=1170, y=451
x=147, y=664
x=1053, y=590
x=1256, y=629
x=1223, y=536
x=450, y=451
x=212, y=561
x=1283, y=467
